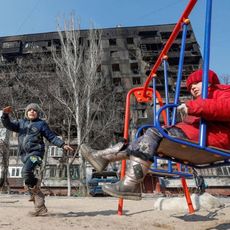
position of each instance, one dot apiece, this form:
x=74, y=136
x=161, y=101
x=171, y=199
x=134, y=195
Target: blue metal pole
x=166, y=88
x=207, y=40
x=154, y=102
x=180, y=71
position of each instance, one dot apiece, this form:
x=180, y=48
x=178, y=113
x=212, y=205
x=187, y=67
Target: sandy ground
x=101, y=213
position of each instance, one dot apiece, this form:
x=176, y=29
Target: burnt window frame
x=117, y=81
x=133, y=69
x=112, y=41
x=130, y=40
x=136, y=80
x=116, y=67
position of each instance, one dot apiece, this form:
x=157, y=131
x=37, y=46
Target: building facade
x=128, y=53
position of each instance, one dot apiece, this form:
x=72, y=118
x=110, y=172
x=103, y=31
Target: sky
x=18, y=17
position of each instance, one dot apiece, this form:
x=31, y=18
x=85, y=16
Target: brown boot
x=31, y=199
x=130, y=186
x=100, y=159
x=39, y=202
x=27, y=189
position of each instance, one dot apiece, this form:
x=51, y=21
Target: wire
x=176, y=2
x=27, y=16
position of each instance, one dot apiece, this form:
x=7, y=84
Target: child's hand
x=183, y=110
x=7, y=109
x=68, y=148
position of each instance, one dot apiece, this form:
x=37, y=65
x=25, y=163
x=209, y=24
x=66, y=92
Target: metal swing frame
x=142, y=94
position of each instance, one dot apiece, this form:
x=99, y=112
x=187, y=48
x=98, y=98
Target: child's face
x=32, y=114
x=196, y=89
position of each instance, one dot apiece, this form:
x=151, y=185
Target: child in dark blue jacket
x=31, y=147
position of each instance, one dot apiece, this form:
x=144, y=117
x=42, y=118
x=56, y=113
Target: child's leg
x=32, y=183
x=28, y=170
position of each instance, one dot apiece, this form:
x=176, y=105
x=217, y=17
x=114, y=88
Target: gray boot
x=100, y=159
x=130, y=186
x=39, y=202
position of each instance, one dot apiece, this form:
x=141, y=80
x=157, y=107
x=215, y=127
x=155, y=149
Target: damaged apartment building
x=128, y=53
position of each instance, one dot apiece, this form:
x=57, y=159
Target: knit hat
x=33, y=106
x=196, y=77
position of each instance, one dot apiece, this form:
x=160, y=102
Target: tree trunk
x=4, y=183
x=68, y=178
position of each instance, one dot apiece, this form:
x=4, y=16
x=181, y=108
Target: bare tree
x=4, y=155
x=85, y=97
x=83, y=90
x=28, y=82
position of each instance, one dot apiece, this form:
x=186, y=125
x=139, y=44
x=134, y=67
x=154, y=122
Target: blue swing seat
x=190, y=155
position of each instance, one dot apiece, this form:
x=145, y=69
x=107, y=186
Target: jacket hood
x=196, y=77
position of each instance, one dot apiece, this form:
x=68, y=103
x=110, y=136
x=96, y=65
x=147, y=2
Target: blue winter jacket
x=30, y=135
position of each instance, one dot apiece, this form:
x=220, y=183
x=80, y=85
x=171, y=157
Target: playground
x=101, y=213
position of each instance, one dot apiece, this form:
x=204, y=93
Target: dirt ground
x=101, y=213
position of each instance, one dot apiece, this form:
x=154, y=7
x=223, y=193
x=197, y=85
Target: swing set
x=184, y=153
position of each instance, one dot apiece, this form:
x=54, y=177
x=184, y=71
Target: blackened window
x=132, y=54
x=165, y=35
x=134, y=68
x=136, y=80
x=14, y=44
x=129, y=40
x=99, y=68
x=117, y=81
x=148, y=33
x=112, y=41
x=80, y=40
x=115, y=67
x=113, y=53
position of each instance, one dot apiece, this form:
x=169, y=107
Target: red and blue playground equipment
x=183, y=152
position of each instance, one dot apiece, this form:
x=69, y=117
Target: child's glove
x=183, y=111
x=7, y=109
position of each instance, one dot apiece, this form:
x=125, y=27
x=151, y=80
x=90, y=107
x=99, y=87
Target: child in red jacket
x=215, y=110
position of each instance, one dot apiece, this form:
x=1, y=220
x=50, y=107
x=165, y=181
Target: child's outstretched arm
x=7, y=123
x=7, y=109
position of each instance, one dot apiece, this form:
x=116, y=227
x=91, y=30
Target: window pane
x=52, y=171
x=115, y=67
x=136, y=80
x=129, y=40
x=112, y=42
x=13, y=172
x=17, y=172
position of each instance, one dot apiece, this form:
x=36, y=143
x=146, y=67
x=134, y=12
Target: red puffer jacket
x=216, y=111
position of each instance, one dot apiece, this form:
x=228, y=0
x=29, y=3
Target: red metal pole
x=186, y=192
x=187, y=195
x=126, y=135
x=126, y=132
x=168, y=44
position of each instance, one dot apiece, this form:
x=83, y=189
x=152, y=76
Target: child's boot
x=39, y=202
x=130, y=186
x=100, y=159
